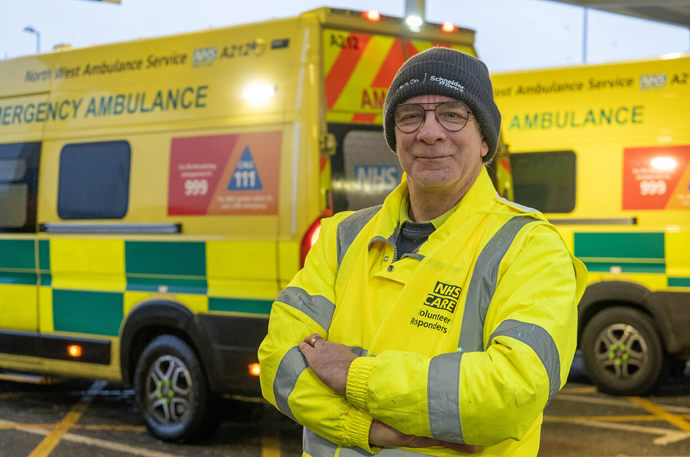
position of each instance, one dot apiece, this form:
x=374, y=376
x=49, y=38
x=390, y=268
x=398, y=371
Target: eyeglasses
x=453, y=116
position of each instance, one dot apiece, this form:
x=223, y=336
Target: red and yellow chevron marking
x=359, y=73
x=359, y=68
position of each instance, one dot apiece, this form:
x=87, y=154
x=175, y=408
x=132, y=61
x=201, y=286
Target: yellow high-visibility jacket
x=465, y=340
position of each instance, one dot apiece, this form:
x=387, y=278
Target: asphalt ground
x=83, y=418
x=582, y=422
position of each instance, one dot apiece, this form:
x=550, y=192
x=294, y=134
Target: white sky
x=511, y=34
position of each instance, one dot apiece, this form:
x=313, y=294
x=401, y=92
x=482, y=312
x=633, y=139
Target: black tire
x=622, y=352
x=172, y=392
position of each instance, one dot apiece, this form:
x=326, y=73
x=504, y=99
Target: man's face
x=435, y=158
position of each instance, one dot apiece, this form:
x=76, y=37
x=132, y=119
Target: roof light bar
x=448, y=27
x=414, y=23
x=372, y=15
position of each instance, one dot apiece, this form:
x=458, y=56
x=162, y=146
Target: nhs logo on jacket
x=444, y=297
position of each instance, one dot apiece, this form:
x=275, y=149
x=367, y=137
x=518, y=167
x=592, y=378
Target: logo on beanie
x=453, y=84
x=450, y=83
x=407, y=83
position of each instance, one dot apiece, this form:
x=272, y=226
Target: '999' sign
x=234, y=174
x=656, y=177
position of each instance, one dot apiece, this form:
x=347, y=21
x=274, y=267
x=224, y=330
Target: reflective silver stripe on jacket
x=289, y=370
x=317, y=307
x=483, y=283
x=541, y=343
x=317, y=446
x=350, y=227
x=443, y=396
x=291, y=366
x=358, y=351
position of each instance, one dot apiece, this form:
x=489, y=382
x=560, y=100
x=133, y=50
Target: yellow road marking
x=621, y=402
x=661, y=413
x=11, y=395
x=645, y=418
x=16, y=426
x=666, y=436
x=113, y=428
x=118, y=447
x=270, y=444
x=53, y=438
x=112, y=445
x=579, y=390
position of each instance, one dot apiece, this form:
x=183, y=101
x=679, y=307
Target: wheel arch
x=152, y=318
x=605, y=294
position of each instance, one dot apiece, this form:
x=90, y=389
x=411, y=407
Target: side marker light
x=74, y=350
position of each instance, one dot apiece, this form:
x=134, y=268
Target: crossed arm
x=331, y=363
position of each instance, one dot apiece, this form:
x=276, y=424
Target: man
x=442, y=321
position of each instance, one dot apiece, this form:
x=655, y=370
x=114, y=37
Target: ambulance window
x=18, y=179
x=94, y=180
x=544, y=180
x=364, y=170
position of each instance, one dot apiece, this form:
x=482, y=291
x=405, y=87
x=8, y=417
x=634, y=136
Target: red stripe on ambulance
x=364, y=118
x=390, y=65
x=343, y=67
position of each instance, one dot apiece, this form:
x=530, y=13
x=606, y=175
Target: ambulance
x=604, y=152
x=157, y=195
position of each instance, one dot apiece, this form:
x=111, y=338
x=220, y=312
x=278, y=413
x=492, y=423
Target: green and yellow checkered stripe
x=87, y=286
x=631, y=252
x=18, y=262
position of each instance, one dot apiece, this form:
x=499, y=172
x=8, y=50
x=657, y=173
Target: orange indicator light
x=254, y=369
x=74, y=350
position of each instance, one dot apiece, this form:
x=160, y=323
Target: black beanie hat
x=444, y=71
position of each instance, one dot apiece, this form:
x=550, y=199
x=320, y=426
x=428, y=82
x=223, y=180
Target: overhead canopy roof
x=676, y=12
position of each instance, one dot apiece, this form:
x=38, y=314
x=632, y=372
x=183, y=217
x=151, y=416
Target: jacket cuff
x=357, y=385
x=357, y=427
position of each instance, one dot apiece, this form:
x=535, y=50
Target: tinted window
x=18, y=183
x=544, y=180
x=94, y=180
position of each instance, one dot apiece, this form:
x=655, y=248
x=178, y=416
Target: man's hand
x=382, y=435
x=330, y=361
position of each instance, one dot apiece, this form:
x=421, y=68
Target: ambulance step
x=25, y=377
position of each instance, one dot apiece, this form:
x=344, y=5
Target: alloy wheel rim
x=168, y=390
x=621, y=350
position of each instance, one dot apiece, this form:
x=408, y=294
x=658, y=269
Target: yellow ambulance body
x=156, y=195
x=604, y=151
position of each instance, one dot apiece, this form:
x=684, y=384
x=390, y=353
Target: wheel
x=622, y=352
x=172, y=392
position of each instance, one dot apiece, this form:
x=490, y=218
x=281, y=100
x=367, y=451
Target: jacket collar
x=475, y=203
x=480, y=195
